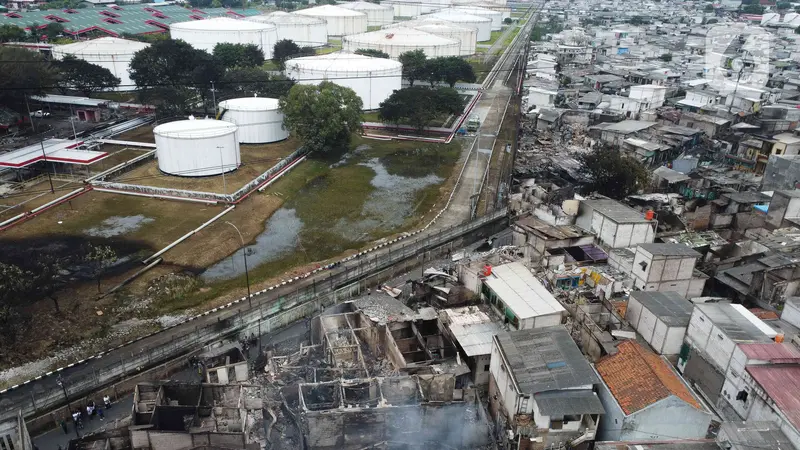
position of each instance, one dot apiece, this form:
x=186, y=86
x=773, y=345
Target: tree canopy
x=323, y=116
x=286, y=49
x=372, y=52
x=174, y=74
x=12, y=33
x=413, y=65
x=84, y=76
x=238, y=55
x=419, y=105
x=23, y=72
x=614, y=174
x=250, y=81
x=452, y=69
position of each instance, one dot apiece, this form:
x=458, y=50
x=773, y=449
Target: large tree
x=614, y=174
x=23, y=72
x=372, y=52
x=238, y=55
x=450, y=69
x=418, y=106
x=250, y=81
x=173, y=75
x=286, y=49
x=12, y=33
x=84, y=76
x=323, y=116
x=413, y=65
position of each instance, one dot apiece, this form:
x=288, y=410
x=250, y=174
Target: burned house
x=176, y=415
x=409, y=412
x=225, y=364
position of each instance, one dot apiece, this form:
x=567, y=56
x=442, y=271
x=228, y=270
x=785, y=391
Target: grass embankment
x=324, y=195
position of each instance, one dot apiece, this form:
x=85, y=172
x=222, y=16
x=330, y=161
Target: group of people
x=91, y=410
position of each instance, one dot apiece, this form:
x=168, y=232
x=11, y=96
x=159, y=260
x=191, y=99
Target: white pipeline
x=188, y=235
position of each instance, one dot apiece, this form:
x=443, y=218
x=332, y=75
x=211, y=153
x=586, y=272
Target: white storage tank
x=205, y=34
x=112, y=53
x=495, y=16
x=468, y=37
x=373, y=79
x=499, y=6
x=259, y=119
x=340, y=21
x=413, y=8
x=398, y=40
x=482, y=25
x=197, y=148
x=377, y=15
x=305, y=31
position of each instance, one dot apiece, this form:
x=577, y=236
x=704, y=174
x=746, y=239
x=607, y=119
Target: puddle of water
x=118, y=225
x=278, y=239
x=387, y=207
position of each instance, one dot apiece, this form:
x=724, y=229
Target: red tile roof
x=638, y=378
x=773, y=352
x=764, y=314
x=781, y=383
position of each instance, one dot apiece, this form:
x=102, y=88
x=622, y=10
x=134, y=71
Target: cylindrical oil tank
x=111, y=53
x=373, y=79
x=377, y=15
x=398, y=40
x=259, y=119
x=496, y=16
x=467, y=36
x=482, y=25
x=197, y=148
x=206, y=34
x=305, y=31
x=341, y=21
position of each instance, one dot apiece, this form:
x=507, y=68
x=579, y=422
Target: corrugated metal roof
x=615, y=210
x=669, y=250
x=521, y=292
x=670, y=307
x=752, y=435
x=773, y=352
x=475, y=339
x=568, y=402
x=733, y=323
x=545, y=359
x=782, y=383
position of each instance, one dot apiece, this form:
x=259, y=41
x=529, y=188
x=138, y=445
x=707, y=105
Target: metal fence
x=269, y=311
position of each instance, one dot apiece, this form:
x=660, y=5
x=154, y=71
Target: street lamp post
x=60, y=382
x=247, y=280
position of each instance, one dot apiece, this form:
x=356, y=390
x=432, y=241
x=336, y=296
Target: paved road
x=491, y=110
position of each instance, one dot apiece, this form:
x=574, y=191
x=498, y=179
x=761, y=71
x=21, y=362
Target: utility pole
x=246, y=272
x=44, y=155
x=60, y=382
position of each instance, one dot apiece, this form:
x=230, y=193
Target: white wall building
x=542, y=375
x=661, y=318
x=667, y=267
x=650, y=95
x=520, y=299
x=615, y=224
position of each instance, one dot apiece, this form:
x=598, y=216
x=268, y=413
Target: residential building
x=781, y=172
x=549, y=244
x=791, y=311
x=734, y=435
x=735, y=391
x=472, y=330
x=668, y=267
x=766, y=281
x=660, y=318
x=520, y=299
x=541, y=98
x=543, y=388
x=771, y=394
x=649, y=95
x=709, y=124
x=14, y=434
x=713, y=333
x=784, y=209
x=615, y=133
x=615, y=224
x=646, y=399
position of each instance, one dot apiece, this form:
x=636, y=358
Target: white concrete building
x=520, y=299
x=645, y=399
x=661, y=318
x=615, y=224
x=667, y=267
x=473, y=331
x=14, y=434
x=540, y=98
x=543, y=387
x=650, y=95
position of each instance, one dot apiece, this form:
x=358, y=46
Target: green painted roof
x=131, y=18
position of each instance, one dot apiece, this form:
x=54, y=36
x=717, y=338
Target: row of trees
x=448, y=69
x=418, y=106
x=177, y=77
x=13, y=33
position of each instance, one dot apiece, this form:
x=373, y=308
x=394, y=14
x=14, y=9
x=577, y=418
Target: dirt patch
x=256, y=159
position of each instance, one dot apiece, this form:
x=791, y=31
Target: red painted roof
x=764, y=314
x=773, y=352
x=781, y=383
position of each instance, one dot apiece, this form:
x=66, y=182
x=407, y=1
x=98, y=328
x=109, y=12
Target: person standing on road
x=100, y=413
x=107, y=401
x=64, y=427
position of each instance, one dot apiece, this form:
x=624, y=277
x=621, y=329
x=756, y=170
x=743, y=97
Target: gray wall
x=781, y=173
